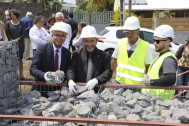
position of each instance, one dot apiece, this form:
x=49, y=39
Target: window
x=147, y=36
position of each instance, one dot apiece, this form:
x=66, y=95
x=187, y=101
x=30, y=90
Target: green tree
x=116, y=16
x=163, y=14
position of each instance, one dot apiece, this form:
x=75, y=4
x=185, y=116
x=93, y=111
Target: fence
x=25, y=120
x=94, y=18
x=178, y=24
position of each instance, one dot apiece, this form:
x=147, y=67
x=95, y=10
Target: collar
x=136, y=43
x=36, y=27
x=54, y=48
x=163, y=52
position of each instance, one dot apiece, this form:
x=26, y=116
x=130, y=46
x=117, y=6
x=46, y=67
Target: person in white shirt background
x=38, y=35
x=77, y=41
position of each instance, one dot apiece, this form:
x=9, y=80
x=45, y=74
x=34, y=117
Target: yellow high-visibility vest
x=153, y=73
x=131, y=70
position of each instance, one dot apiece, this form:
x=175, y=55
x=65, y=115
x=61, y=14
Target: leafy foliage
x=92, y=6
x=116, y=16
x=163, y=14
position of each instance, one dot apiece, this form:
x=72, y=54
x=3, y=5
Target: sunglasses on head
x=158, y=41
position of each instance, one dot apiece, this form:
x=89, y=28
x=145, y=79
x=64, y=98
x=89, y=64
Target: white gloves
x=146, y=80
x=72, y=87
x=50, y=77
x=91, y=84
x=57, y=76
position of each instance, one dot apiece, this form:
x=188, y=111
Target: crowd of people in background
x=57, y=37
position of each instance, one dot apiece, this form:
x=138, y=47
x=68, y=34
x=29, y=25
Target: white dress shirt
x=38, y=36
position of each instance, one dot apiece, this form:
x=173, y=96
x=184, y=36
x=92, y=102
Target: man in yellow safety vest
x=163, y=70
x=132, y=55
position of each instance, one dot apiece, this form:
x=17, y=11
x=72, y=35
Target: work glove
x=59, y=76
x=146, y=80
x=91, y=84
x=72, y=87
x=50, y=77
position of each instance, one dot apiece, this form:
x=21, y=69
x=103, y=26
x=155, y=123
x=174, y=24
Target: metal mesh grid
x=25, y=87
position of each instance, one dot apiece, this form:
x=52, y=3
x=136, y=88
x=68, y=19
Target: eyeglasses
x=158, y=41
x=61, y=36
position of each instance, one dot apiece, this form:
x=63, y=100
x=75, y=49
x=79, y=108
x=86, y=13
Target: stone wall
x=25, y=7
x=9, y=65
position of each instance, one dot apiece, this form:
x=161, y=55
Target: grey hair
x=59, y=14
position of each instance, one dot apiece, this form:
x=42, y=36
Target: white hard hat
x=132, y=23
x=59, y=26
x=88, y=32
x=164, y=31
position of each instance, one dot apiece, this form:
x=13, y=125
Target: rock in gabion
x=9, y=65
x=171, y=111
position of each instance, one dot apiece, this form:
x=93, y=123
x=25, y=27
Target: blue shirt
x=28, y=24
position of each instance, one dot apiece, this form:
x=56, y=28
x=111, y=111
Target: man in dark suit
x=73, y=25
x=89, y=64
x=51, y=57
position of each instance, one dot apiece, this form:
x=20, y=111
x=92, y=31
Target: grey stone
x=137, y=109
x=103, y=115
x=51, y=93
x=144, y=103
x=11, y=111
x=61, y=99
x=119, y=91
x=65, y=92
x=66, y=104
x=112, y=117
x=26, y=111
x=166, y=113
x=72, y=114
x=70, y=124
x=56, y=108
x=47, y=104
x=148, y=94
x=81, y=89
x=53, y=98
x=67, y=110
x=153, y=118
x=87, y=94
x=136, y=95
x=170, y=120
x=35, y=94
x=131, y=103
x=128, y=91
x=133, y=117
x=182, y=115
x=49, y=123
x=83, y=110
x=43, y=99
x=46, y=113
x=129, y=97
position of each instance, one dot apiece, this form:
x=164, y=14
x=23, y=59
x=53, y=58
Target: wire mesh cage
x=38, y=118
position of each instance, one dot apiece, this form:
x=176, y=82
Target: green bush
x=116, y=16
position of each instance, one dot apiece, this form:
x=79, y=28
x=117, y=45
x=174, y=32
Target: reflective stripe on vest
x=131, y=70
x=153, y=72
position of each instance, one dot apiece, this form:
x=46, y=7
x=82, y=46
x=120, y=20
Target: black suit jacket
x=73, y=25
x=43, y=61
x=77, y=71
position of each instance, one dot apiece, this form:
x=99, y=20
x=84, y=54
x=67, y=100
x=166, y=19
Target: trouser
x=34, y=50
x=27, y=48
x=182, y=80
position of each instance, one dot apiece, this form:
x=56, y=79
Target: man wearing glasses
x=51, y=60
x=38, y=35
x=162, y=71
x=132, y=55
x=3, y=36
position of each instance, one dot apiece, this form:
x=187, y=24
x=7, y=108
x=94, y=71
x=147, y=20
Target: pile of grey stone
x=120, y=105
x=9, y=65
